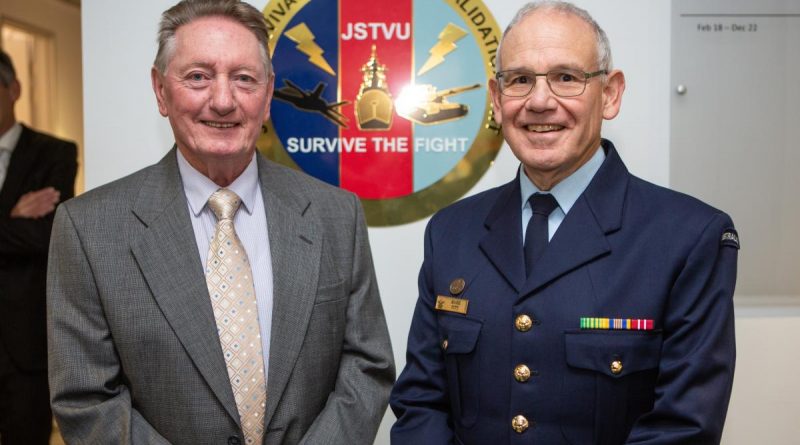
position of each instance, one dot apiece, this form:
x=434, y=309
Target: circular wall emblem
x=385, y=98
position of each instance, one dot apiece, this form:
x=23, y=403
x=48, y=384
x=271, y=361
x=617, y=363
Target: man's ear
x=158, y=88
x=270, y=90
x=612, y=94
x=494, y=88
x=15, y=89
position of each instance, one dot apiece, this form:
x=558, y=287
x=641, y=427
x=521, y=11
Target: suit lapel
x=295, y=246
x=166, y=251
x=19, y=166
x=581, y=237
x=503, y=242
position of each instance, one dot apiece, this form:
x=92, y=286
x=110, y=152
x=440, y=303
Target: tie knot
x=224, y=203
x=543, y=203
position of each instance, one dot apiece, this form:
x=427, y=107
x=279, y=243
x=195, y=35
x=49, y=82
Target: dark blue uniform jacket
x=626, y=249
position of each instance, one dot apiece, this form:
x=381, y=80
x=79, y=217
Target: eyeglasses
x=562, y=82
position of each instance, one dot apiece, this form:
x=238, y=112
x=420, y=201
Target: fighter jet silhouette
x=312, y=101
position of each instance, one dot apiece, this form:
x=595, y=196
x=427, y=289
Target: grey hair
x=186, y=11
x=604, y=61
x=7, y=73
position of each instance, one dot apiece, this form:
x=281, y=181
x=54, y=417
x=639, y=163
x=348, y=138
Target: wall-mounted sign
x=385, y=98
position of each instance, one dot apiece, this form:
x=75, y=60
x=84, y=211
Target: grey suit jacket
x=133, y=350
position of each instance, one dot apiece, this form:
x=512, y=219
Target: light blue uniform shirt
x=250, y=223
x=566, y=192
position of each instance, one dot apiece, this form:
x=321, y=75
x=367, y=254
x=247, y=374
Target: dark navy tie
x=536, y=233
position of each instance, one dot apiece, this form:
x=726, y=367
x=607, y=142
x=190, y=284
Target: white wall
x=765, y=406
x=124, y=133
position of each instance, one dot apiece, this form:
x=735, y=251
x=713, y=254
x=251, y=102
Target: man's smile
x=219, y=124
x=543, y=128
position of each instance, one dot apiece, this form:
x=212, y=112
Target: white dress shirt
x=8, y=141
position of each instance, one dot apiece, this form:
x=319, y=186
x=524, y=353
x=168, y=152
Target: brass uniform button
x=523, y=323
x=522, y=373
x=519, y=424
x=457, y=286
x=444, y=344
x=616, y=367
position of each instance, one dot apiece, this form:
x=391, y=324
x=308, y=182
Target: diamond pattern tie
x=233, y=299
x=536, y=233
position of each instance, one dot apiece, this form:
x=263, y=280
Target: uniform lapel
x=502, y=244
x=166, y=252
x=581, y=237
x=578, y=240
x=295, y=246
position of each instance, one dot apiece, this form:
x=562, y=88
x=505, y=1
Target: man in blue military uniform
x=578, y=303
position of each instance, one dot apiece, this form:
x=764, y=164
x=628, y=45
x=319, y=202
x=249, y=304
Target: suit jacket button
x=616, y=367
x=523, y=323
x=519, y=424
x=233, y=440
x=522, y=373
x=444, y=344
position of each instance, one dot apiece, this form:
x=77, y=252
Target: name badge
x=451, y=304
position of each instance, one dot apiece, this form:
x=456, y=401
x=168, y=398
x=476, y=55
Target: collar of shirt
x=10, y=138
x=566, y=192
x=570, y=188
x=198, y=187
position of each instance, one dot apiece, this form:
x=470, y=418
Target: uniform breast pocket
x=459, y=341
x=610, y=380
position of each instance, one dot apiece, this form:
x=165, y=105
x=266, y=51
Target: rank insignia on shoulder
x=730, y=238
x=451, y=304
x=618, y=324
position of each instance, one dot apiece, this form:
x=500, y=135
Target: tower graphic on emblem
x=374, y=106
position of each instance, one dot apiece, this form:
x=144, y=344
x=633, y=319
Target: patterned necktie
x=233, y=298
x=536, y=233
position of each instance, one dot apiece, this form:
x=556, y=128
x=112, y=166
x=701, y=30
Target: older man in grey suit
x=215, y=297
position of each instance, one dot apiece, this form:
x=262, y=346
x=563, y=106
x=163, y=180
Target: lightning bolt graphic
x=304, y=38
x=446, y=44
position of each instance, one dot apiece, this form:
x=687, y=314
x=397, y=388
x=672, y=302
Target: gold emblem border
x=453, y=185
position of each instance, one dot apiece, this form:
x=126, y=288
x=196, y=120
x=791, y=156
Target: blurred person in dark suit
x=37, y=171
